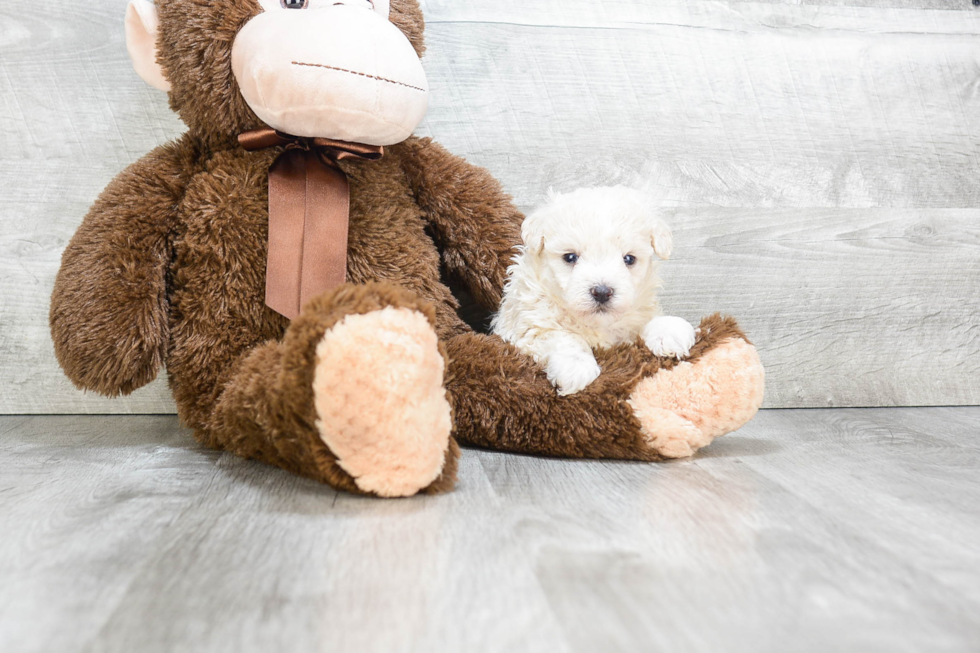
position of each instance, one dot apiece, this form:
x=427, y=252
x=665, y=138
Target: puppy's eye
x=570, y=258
x=629, y=260
x=293, y=4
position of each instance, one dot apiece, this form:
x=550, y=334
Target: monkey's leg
x=352, y=396
x=640, y=407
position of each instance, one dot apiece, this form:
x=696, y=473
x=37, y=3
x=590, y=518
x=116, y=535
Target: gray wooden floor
x=821, y=530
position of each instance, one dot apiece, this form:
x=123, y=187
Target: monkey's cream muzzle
x=338, y=71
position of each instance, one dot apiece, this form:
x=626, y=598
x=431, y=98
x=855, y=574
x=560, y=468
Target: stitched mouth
x=354, y=72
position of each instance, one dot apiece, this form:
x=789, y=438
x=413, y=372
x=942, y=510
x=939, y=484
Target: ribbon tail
x=309, y=216
x=287, y=218
x=327, y=223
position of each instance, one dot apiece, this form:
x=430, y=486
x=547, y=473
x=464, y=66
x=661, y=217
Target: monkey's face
x=332, y=68
x=341, y=69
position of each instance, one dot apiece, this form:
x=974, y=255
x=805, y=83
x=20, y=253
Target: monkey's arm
x=109, y=307
x=475, y=224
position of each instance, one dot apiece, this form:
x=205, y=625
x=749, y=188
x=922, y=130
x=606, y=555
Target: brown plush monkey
x=370, y=386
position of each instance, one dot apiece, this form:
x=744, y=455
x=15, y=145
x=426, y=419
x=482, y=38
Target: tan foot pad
x=670, y=434
x=685, y=408
x=379, y=396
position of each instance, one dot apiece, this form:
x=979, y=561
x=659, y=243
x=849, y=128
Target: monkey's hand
x=108, y=313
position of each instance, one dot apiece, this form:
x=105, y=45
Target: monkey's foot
x=683, y=409
x=380, y=400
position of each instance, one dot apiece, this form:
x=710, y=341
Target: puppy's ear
x=532, y=232
x=536, y=226
x=662, y=239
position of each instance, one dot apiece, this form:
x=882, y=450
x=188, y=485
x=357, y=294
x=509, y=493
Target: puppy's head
x=596, y=251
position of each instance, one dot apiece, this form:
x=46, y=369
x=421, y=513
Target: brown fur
x=594, y=423
x=168, y=268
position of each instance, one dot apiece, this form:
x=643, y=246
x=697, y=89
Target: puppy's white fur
x=576, y=247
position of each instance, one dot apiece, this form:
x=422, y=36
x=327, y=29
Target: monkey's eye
x=629, y=260
x=293, y=4
x=570, y=258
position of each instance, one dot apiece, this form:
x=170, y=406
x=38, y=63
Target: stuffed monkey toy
x=285, y=259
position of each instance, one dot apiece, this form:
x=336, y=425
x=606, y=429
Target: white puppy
x=586, y=278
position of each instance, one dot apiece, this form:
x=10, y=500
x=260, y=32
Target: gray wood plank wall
x=820, y=162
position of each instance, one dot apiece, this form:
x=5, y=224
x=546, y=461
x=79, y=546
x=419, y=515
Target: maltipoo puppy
x=585, y=279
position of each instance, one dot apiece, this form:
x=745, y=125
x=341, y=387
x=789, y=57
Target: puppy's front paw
x=669, y=337
x=571, y=372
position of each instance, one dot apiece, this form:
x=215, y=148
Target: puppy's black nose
x=601, y=294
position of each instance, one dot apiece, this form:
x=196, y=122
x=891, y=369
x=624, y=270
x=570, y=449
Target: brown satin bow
x=309, y=211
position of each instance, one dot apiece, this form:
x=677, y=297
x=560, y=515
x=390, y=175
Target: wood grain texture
x=73, y=114
x=827, y=131
x=858, y=307
x=818, y=530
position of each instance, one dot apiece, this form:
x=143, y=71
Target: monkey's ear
x=662, y=239
x=141, y=41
